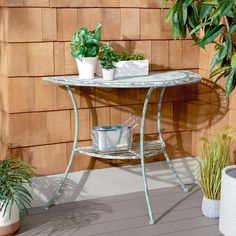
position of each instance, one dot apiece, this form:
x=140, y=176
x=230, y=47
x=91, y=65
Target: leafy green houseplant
x=107, y=59
x=13, y=194
x=215, y=156
x=209, y=21
x=124, y=56
x=84, y=47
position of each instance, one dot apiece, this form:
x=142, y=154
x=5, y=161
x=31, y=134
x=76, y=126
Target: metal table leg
x=160, y=137
x=62, y=181
x=142, y=129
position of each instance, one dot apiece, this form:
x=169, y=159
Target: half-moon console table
x=139, y=150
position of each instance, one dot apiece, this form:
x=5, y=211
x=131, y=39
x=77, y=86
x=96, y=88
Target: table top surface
x=154, y=79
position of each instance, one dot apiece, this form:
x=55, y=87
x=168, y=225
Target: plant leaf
x=199, y=27
x=223, y=7
x=233, y=60
x=211, y=35
x=218, y=70
x=210, y=2
x=170, y=13
x=188, y=2
x=222, y=51
x=214, y=61
x=232, y=28
x=164, y=2
x=205, y=10
x=230, y=82
x=184, y=13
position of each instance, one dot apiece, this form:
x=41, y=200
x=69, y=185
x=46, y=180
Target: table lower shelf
x=151, y=148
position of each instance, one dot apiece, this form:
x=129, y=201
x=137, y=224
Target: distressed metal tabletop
x=154, y=79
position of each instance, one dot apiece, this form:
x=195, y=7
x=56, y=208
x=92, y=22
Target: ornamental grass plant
x=215, y=156
x=13, y=175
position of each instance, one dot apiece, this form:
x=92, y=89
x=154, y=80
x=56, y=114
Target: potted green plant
x=13, y=194
x=84, y=47
x=107, y=60
x=131, y=65
x=209, y=22
x=215, y=156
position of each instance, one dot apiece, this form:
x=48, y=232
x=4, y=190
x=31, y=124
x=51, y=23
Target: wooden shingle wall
x=37, y=118
x=214, y=111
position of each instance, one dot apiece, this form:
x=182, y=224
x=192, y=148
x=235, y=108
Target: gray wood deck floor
x=176, y=213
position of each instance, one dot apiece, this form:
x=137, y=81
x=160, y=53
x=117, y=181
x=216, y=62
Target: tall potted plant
x=84, y=47
x=107, y=60
x=209, y=22
x=13, y=194
x=215, y=156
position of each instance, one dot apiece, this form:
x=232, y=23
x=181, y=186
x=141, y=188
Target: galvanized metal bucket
x=114, y=137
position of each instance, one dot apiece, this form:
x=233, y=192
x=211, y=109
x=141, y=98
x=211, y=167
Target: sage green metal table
x=139, y=150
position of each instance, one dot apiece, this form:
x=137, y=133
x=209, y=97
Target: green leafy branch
x=209, y=21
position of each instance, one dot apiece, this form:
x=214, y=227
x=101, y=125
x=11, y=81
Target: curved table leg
x=160, y=137
x=142, y=129
x=62, y=181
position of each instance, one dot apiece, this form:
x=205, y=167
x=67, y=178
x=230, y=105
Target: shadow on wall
x=4, y=148
x=212, y=105
x=186, y=108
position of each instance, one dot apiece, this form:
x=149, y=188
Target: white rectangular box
x=132, y=68
x=128, y=68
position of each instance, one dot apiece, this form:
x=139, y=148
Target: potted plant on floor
x=215, y=156
x=84, y=47
x=13, y=194
x=107, y=59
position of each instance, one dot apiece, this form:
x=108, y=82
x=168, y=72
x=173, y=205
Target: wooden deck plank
x=178, y=214
x=118, y=210
x=212, y=230
x=160, y=229
x=118, y=198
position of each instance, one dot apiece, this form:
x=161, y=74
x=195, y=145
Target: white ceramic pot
x=87, y=67
x=108, y=74
x=9, y=225
x=210, y=208
x=227, y=222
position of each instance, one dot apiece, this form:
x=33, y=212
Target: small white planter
x=87, y=67
x=108, y=74
x=227, y=222
x=210, y=208
x=9, y=225
x=131, y=68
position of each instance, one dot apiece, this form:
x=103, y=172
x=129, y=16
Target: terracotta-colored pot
x=9, y=230
x=10, y=223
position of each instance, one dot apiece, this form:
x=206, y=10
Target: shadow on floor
x=71, y=219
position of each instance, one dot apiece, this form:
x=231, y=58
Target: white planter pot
x=210, y=208
x=108, y=74
x=9, y=225
x=131, y=68
x=227, y=222
x=87, y=67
